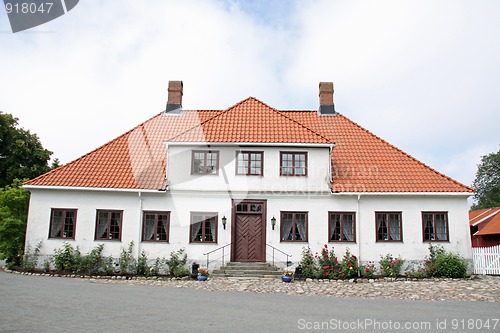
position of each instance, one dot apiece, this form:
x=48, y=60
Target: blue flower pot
x=202, y=278
x=286, y=278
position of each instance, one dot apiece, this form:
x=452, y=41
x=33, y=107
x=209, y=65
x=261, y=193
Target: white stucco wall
x=181, y=203
x=180, y=177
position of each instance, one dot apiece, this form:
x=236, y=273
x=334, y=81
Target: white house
x=245, y=177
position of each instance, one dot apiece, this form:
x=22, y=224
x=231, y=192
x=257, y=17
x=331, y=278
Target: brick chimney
x=174, y=102
x=326, y=105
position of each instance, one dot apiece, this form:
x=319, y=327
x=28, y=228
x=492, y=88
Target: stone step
x=248, y=269
x=246, y=272
x=253, y=264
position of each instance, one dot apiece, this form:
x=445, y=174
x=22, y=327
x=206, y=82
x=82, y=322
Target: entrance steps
x=248, y=270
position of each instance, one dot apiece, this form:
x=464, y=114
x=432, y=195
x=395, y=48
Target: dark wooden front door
x=248, y=232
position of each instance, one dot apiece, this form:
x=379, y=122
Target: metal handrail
x=286, y=254
x=217, y=249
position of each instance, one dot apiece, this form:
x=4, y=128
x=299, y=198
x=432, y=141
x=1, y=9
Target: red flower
x=354, y=257
x=326, y=273
x=393, y=263
x=433, y=269
x=326, y=267
x=367, y=269
x=326, y=245
x=349, y=265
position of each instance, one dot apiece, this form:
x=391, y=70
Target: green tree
x=487, y=182
x=21, y=153
x=13, y=216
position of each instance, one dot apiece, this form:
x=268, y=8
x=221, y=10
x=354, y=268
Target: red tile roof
x=361, y=161
x=488, y=221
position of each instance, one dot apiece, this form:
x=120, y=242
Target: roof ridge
x=405, y=153
x=251, y=98
x=90, y=152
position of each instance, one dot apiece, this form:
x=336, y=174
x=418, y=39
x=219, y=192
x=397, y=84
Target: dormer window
x=293, y=164
x=205, y=162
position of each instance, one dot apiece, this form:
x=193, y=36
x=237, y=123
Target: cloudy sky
x=424, y=74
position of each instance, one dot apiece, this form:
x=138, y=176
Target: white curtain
x=56, y=226
x=196, y=227
x=164, y=223
x=149, y=229
x=287, y=227
x=102, y=227
x=301, y=226
x=394, y=225
x=213, y=225
x=348, y=228
x=381, y=227
x=440, y=227
x=333, y=227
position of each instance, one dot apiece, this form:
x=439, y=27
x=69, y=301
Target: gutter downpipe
x=139, y=235
x=358, y=233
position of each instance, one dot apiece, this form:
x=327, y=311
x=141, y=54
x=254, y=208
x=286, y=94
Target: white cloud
x=423, y=75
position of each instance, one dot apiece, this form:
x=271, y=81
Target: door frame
x=234, y=203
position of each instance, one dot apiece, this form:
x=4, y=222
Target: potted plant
x=202, y=273
x=287, y=275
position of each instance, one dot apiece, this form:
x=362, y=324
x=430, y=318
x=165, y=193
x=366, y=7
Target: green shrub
x=157, y=266
x=142, y=264
x=390, y=266
x=93, y=262
x=328, y=264
x=368, y=270
x=349, y=266
x=67, y=259
x=176, y=263
x=30, y=260
x=307, y=263
x=441, y=263
x=127, y=262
